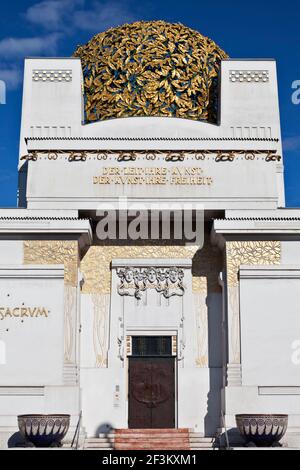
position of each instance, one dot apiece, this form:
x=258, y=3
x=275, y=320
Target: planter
x=263, y=430
x=44, y=430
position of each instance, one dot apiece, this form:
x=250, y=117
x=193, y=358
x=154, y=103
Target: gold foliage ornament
x=250, y=252
x=150, y=68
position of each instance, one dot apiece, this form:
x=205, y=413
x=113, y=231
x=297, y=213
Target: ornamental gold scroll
x=153, y=175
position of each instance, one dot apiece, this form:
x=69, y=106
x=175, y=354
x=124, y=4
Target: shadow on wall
x=214, y=311
x=105, y=429
x=17, y=440
x=208, y=263
x=234, y=439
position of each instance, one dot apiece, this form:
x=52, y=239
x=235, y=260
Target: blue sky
x=256, y=29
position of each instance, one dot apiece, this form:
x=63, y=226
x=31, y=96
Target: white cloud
x=52, y=14
x=72, y=15
x=11, y=48
x=54, y=19
x=102, y=16
x=11, y=76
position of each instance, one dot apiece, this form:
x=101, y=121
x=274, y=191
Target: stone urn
x=264, y=430
x=44, y=430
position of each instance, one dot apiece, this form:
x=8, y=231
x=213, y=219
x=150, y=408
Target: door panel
x=151, y=392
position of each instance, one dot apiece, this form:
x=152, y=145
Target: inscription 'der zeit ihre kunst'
x=153, y=175
x=23, y=312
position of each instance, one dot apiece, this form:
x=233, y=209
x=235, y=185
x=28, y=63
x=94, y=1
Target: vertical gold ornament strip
x=201, y=329
x=70, y=324
x=128, y=345
x=100, y=328
x=174, y=345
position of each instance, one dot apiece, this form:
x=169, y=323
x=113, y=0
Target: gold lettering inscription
x=15, y=312
x=8, y=312
x=153, y=176
x=20, y=312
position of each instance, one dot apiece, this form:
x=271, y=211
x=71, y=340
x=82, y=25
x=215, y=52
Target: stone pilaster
x=238, y=253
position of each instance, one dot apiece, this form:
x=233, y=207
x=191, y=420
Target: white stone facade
x=233, y=319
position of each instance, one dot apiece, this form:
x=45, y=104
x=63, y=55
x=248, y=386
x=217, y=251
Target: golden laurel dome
x=150, y=68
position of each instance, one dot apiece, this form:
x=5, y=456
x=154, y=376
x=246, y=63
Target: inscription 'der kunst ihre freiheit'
x=23, y=312
x=153, y=175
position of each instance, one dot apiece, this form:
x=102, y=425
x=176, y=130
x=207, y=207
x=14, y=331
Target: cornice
x=171, y=139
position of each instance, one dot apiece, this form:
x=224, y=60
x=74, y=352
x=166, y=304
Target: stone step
x=196, y=445
x=99, y=440
x=99, y=448
x=201, y=439
x=100, y=445
x=154, y=443
x=201, y=448
x=158, y=446
x=103, y=445
x=152, y=431
x=150, y=437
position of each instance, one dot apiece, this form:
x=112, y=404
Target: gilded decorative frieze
x=252, y=253
x=95, y=266
x=168, y=156
x=199, y=284
x=207, y=263
x=54, y=252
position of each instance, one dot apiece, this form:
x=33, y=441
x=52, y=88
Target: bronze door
x=151, y=392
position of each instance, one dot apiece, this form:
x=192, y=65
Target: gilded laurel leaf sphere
x=150, y=68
